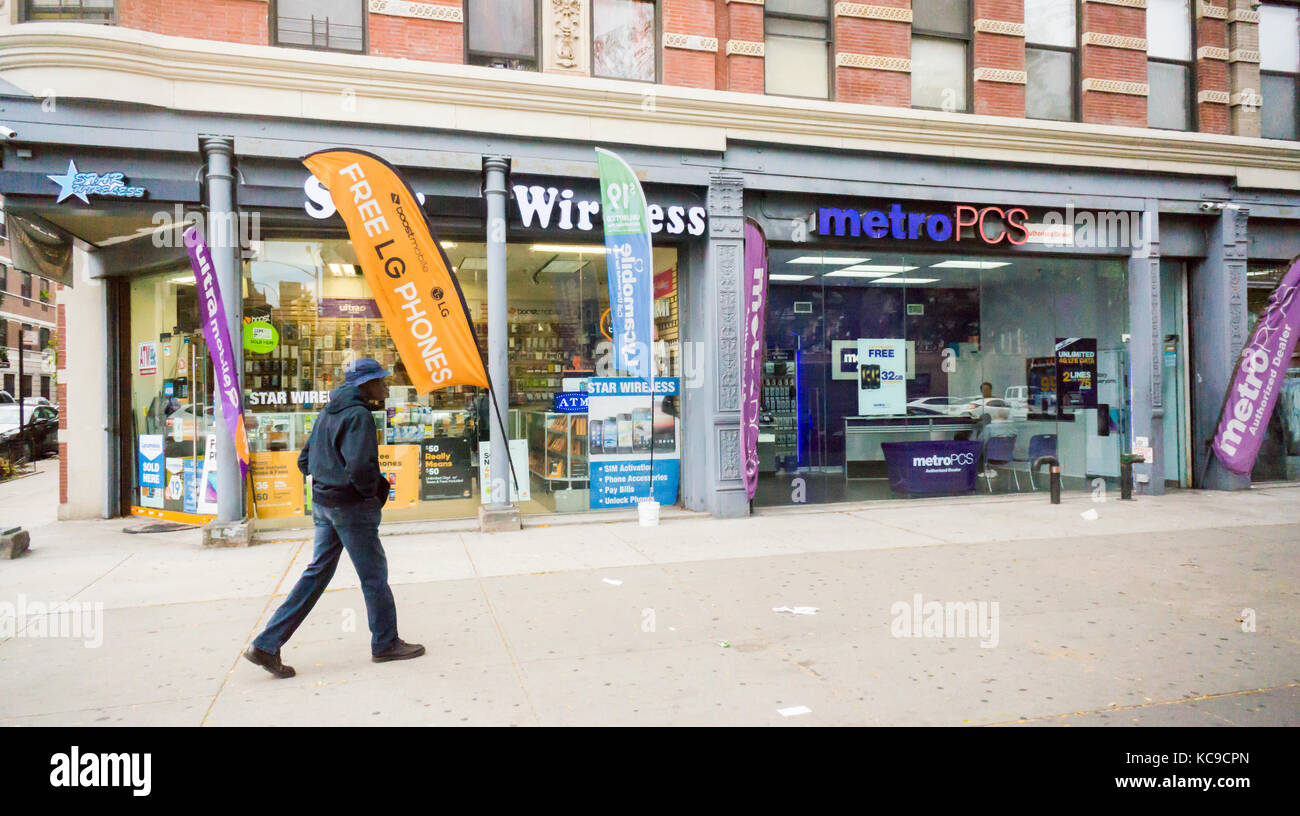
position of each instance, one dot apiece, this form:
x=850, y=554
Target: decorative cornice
x=1114, y=41
x=1217, y=97
x=873, y=62
x=1127, y=3
x=1243, y=16
x=1243, y=55
x=420, y=11
x=1204, y=9
x=1115, y=86
x=1211, y=52
x=690, y=42
x=1000, y=75
x=866, y=12
x=1249, y=98
x=1004, y=27
x=745, y=48
x=230, y=82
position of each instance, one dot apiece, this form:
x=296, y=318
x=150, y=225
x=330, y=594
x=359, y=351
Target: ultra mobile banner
x=628, y=264
x=409, y=276
x=1258, y=379
x=212, y=316
x=752, y=373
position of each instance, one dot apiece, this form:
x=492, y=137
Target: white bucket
x=649, y=513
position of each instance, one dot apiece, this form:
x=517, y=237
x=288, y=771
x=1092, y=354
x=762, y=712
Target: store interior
x=980, y=334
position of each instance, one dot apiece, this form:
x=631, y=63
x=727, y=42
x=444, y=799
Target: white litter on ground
x=613, y=581
x=796, y=610
x=794, y=711
x=1090, y=514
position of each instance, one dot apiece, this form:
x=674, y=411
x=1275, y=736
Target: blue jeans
x=355, y=528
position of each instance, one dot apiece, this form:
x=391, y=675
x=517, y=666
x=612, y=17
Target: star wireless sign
x=81, y=185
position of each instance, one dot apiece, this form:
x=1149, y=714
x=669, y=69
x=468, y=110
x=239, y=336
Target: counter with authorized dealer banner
x=930, y=468
x=623, y=439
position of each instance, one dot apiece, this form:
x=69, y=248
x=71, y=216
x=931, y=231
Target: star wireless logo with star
x=82, y=185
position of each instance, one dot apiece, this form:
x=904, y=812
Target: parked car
x=998, y=409
x=6, y=398
x=943, y=406
x=37, y=401
x=42, y=430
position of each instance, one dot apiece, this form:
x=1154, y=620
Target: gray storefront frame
x=1205, y=221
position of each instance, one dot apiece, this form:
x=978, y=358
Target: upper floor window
x=1171, y=81
x=1051, y=60
x=326, y=25
x=502, y=34
x=1279, y=71
x=796, y=48
x=941, y=46
x=4, y=279
x=27, y=285
x=86, y=11
x=623, y=39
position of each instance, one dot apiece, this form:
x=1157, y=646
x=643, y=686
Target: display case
x=412, y=422
x=289, y=431
x=778, y=423
x=557, y=449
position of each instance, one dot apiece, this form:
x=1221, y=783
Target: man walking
x=347, y=493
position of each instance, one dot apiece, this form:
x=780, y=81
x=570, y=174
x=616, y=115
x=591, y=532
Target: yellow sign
x=400, y=465
x=278, y=486
x=408, y=274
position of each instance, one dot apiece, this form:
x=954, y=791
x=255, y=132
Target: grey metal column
x=1218, y=313
x=495, y=169
x=724, y=316
x=1146, y=349
x=219, y=151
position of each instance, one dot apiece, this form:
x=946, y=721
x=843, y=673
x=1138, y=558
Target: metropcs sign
x=546, y=205
x=903, y=225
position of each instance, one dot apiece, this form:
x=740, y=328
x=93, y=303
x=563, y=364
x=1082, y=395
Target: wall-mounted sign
x=148, y=358
x=570, y=402
x=908, y=225
x=549, y=207
x=348, y=307
x=256, y=398
x=81, y=185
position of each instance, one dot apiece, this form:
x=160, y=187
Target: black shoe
x=400, y=650
x=268, y=661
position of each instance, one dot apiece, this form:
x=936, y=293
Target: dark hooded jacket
x=342, y=453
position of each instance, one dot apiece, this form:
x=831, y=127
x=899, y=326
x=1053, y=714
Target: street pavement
x=1178, y=610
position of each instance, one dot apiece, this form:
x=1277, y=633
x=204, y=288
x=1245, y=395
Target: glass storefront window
x=170, y=393
x=864, y=349
x=1279, y=453
x=308, y=312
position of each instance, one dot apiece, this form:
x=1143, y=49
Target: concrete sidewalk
x=1128, y=618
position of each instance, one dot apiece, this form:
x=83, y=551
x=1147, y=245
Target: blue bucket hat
x=363, y=370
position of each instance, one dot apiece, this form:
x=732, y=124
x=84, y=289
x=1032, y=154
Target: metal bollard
x=1054, y=477
x=1126, y=461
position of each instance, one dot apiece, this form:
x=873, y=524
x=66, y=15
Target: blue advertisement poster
x=151, y=470
x=622, y=433
x=193, y=467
